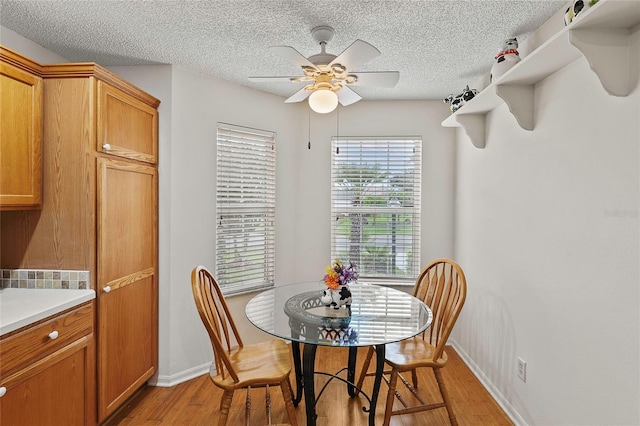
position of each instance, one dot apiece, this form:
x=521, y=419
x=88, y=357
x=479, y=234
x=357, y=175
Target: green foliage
x=375, y=200
x=358, y=180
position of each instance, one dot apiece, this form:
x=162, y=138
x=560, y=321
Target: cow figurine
x=577, y=8
x=468, y=94
x=506, y=58
x=336, y=298
x=456, y=102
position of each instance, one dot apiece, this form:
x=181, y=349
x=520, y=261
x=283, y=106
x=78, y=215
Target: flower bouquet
x=337, y=278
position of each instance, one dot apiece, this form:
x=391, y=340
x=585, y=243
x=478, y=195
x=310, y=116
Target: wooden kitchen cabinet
x=20, y=132
x=47, y=380
x=99, y=213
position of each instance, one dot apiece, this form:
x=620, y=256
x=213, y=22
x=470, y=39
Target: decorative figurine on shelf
x=337, y=278
x=456, y=102
x=506, y=59
x=468, y=94
x=577, y=9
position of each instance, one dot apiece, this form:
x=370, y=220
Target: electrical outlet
x=522, y=369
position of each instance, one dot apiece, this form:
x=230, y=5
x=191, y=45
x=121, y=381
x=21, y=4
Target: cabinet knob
x=3, y=390
x=106, y=147
x=53, y=335
x=106, y=289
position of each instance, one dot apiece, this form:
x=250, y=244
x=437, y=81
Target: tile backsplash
x=44, y=278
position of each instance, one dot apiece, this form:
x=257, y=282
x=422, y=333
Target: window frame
x=384, y=188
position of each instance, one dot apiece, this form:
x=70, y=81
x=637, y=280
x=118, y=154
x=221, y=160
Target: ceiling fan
x=330, y=77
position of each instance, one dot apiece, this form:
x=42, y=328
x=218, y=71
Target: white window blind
x=245, y=208
x=375, y=206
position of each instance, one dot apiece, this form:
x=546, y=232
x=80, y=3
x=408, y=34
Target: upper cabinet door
x=126, y=126
x=20, y=139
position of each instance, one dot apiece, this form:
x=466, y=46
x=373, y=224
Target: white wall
x=547, y=231
x=24, y=46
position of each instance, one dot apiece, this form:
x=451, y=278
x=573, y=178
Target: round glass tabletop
x=378, y=315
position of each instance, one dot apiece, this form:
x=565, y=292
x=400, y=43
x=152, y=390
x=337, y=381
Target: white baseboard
x=183, y=376
x=509, y=410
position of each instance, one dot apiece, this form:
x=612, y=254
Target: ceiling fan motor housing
x=322, y=34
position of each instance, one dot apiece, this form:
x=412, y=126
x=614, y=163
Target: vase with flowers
x=337, y=278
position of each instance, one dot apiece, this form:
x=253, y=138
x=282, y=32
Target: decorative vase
x=337, y=298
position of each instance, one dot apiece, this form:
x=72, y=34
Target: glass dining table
x=378, y=315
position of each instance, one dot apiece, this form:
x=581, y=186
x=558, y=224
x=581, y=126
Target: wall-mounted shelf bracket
x=474, y=127
x=519, y=99
x=608, y=52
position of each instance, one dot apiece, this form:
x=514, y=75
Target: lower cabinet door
x=58, y=390
x=127, y=281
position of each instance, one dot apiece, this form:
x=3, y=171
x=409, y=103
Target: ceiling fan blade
x=347, y=96
x=273, y=78
x=377, y=78
x=355, y=55
x=299, y=96
x=292, y=55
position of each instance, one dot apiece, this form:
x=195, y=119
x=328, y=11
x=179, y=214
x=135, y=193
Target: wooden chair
x=239, y=366
x=442, y=286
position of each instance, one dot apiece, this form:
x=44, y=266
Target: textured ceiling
x=437, y=46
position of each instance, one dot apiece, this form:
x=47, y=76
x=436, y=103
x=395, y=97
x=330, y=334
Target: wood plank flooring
x=196, y=402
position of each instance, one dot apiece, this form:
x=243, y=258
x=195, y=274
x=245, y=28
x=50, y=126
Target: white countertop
x=20, y=307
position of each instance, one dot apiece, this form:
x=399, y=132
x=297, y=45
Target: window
x=375, y=206
x=245, y=208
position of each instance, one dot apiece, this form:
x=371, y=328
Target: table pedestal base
x=305, y=372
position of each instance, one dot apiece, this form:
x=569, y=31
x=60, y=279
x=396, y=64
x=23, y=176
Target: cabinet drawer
x=23, y=348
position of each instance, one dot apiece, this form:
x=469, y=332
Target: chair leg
x=247, y=407
x=414, y=378
x=268, y=405
x=225, y=404
x=391, y=394
x=365, y=368
x=293, y=396
x=445, y=396
x=285, y=387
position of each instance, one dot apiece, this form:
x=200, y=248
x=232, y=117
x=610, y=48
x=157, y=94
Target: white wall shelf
x=602, y=35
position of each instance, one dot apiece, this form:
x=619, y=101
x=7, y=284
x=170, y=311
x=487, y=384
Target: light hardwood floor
x=196, y=402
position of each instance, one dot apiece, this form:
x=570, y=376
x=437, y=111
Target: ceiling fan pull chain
x=338, y=130
x=309, y=127
x=338, y=122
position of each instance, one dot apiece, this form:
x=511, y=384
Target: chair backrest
x=216, y=318
x=443, y=287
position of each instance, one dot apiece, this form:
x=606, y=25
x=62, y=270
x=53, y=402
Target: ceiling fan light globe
x=323, y=101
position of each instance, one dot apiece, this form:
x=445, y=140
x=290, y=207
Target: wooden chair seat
x=256, y=365
x=413, y=353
